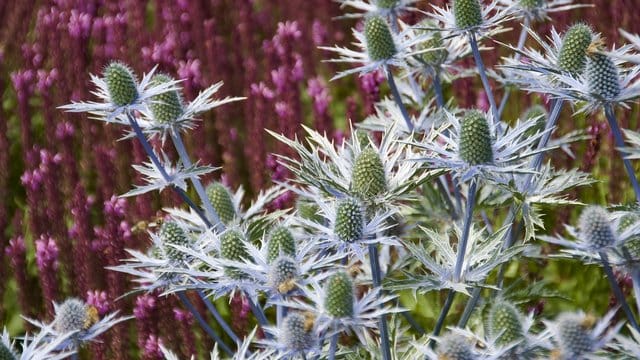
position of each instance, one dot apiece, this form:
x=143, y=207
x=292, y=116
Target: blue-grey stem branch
x=483, y=77
x=203, y=323
x=377, y=282
x=221, y=321
x=398, y=98
x=617, y=292
x=468, y=218
x=443, y=315
x=619, y=141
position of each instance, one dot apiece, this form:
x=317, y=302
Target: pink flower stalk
x=151, y=348
x=146, y=314
x=23, y=83
x=47, y=261
x=319, y=92
x=240, y=310
x=185, y=319
x=16, y=252
x=369, y=84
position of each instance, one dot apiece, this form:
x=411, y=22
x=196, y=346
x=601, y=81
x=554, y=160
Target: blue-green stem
x=258, y=313
x=437, y=88
x=443, y=314
x=74, y=356
x=521, y=41
x=156, y=162
x=617, y=292
x=223, y=324
x=635, y=278
x=183, y=297
x=462, y=245
x=377, y=282
x=483, y=77
x=397, y=97
x=333, y=346
x=186, y=162
x=619, y=141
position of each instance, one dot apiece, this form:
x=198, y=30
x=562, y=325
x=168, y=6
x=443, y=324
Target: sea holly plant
x=351, y=270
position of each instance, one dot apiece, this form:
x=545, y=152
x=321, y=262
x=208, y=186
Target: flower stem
x=203, y=322
x=521, y=40
x=462, y=245
x=397, y=97
x=156, y=162
x=635, y=278
x=377, y=281
x=617, y=136
x=223, y=324
x=258, y=313
x=186, y=162
x=617, y=292
x=443, y=314
x=333, y=347
x=483, y=77
x=437, y=89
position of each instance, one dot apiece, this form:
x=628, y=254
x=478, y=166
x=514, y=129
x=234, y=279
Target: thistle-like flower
x=472, y=16
x=537, y=10
x=120, y=92
x=578, y=335
x=220, y=198
x=459, y=344
x=296, y=337
x=472, y=146
x=379, y=48
x=82, y=321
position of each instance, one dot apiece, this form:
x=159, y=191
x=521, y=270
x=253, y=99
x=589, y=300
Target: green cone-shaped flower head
x=454, y=346
x=297, y=332
x=433, y=57
x=173, y=234
x=468, y=13
x=6, y=353
x=349, y=223
x=505, y=323
x=220, y=198
x=309, y=210
x=386, y=4
x=573, y=51
x=475, y=139
x=531, y=4
x=283, y=274
x=595, y=227
x=121, y=84
x=166, y=107
x=233, y=247
x=281, y=241
x=602, y=77
x=368, y=179
x=632, y=245
x=574, y=334
x=380, y=45
x=339, y=295
x=71, y=315
x=539, y=113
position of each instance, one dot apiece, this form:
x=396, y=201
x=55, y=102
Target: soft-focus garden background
x=60, y=174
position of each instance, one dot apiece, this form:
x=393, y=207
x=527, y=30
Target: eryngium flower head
x=603, y=77
x=73, y=315
x=505, y=323
x=6, y=353
x=380, y=44
x=475, y=139
x=349, y=223
x=232, y=247
x=368, y=178
x=433, y=57
x=632, y=245
x=468, y=13
x=339, y=296
x=453, y=346
x=574, y=334
x=121, y=84
x=595, y=227
x=222, y=203
x=284, y=271
x=281, y=242
x=171, y=233
x=531, y=4
x=296, y=333
x=168, y=106
x=572, y=57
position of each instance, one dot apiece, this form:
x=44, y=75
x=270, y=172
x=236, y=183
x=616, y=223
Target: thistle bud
x=339, y=296
x=574, y=334
x=531, y=4
x=166, y=107
x=573, y=51
x=368, y=178
x=6, y=353
x=467, y=13
x=380, y=45
x=71, y=315
x=172, y=234
x=232, y=247
x=283, y=274
x=121, y=84
x=453, y=346
x=505, y=323
x=386, y=4
x=475, y=139
x=220, y=199
x=296, y=334
x=280, y=241
x=595, y=228
x=602, y=77
x=632, y=245
x=433, y=57
x=349, y=223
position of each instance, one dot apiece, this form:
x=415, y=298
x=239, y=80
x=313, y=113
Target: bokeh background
x=61, y=221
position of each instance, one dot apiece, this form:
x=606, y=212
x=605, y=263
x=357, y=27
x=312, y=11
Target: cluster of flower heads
x=361, y=231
